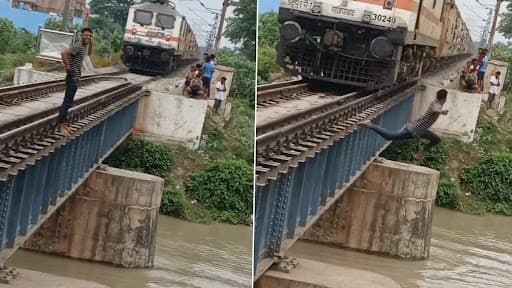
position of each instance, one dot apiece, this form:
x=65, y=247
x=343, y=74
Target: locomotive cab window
x=143, y=17
x=165, y=21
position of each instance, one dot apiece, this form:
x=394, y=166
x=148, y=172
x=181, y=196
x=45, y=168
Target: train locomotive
x=369, y=43
x=157, y=38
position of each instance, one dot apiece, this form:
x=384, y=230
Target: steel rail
x=32, y=93
x=266, y=87
x=19, y=146
x=273, y=124
x=277, y=136
x=9, y=125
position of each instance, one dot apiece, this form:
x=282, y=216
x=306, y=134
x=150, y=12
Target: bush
x=143, y=156
x=492, y=179
x=174, y=201
x=448, y=194
x=405, y=151
x=225, y=188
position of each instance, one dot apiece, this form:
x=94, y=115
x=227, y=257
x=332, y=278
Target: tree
x=505, y=26
x=242, y=27
x=268, y=30
x=115, y=10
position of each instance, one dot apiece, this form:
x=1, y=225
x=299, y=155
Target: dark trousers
x=216, y=106
x=404, y=134
x=71, y=87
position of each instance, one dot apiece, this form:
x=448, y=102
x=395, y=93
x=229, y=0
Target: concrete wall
x=26, y=74
x=171, y=118
x=460, y=123
x=495, y=65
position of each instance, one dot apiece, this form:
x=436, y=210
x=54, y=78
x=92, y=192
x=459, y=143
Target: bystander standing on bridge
x=73, y=58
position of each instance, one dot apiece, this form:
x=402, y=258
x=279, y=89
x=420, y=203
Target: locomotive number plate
x=343, y=11
x=383, y=18
x=300, y=4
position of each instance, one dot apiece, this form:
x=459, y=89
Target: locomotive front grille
x=333, y=67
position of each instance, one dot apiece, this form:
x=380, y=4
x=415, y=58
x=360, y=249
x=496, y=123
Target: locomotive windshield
x=165, y=21
x=143, y=17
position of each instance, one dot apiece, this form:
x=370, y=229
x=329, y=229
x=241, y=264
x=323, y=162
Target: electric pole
x=67, y=14
x=225, y=5
x=211, y=36
x=494, y=23
x=485, y=32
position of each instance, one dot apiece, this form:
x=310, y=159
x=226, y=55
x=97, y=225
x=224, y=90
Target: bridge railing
x=289, y=204
x=32, y=192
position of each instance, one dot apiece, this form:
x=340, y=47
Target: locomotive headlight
x=291, y=31
x=130, y=50
x=381, y=47
x=388, y=4
x=317, y=8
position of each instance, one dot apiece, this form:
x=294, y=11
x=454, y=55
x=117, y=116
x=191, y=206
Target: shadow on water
x=188, y=255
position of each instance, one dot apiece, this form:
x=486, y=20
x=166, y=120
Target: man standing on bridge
x=73, y=58
x=419, y=128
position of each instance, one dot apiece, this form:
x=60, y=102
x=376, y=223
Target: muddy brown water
x=466, y=252
x=188, y=255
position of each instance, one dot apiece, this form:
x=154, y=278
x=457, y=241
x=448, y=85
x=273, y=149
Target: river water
x=188, y=255
x=466, y=252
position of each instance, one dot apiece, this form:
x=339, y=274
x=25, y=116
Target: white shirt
x=495, y=85
x=220, y=95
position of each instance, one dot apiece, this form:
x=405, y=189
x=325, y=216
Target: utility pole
x=494, y=23
x=485, y=32
x=225, y=5
x=67, y=13
x=211, y=36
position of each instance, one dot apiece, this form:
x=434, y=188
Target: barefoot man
x=419, y=128
x=72, y=58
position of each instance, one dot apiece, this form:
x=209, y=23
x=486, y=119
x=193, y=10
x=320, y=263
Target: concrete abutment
x=111, y=218
x=388, y=210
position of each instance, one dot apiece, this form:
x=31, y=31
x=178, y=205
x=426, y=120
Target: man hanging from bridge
x=418, y=128
x=73, y=58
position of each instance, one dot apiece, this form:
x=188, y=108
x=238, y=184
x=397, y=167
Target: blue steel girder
x=288, y=204
x=30, y=195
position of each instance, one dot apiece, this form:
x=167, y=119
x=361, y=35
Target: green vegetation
x=224, y=188
x=143, y=156
x=18, y=46
x=241, y=28
x=268, y=32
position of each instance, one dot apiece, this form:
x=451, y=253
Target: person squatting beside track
x=418, y=128
x=73, y=58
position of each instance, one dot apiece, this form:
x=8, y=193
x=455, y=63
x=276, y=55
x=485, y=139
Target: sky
x=472, y=12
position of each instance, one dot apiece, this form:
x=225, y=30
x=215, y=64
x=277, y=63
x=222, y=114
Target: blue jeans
x=405, y=134
x=71, y=87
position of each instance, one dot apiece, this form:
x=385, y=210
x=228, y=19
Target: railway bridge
x=40, y=169
x=310, y=152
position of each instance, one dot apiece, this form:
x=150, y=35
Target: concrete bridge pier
x=388, y=210
x=112, y=218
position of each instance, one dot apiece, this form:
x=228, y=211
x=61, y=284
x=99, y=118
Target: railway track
x=26, y=138
x=282, y=142
x=272, y=94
